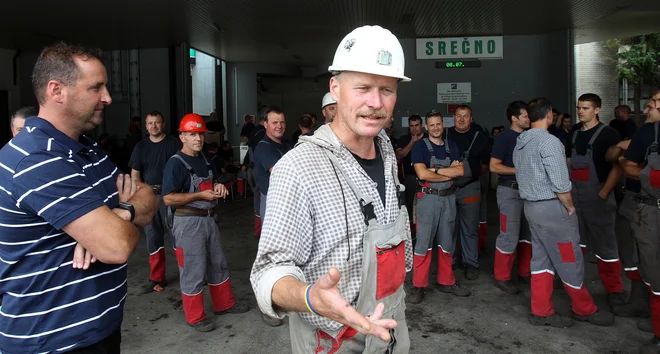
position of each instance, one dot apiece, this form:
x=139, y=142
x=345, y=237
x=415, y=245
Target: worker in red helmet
x=189, y=187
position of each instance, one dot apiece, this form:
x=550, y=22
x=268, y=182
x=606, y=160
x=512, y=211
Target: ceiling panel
x=305, y=32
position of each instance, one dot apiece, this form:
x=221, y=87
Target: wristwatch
x=129, y=207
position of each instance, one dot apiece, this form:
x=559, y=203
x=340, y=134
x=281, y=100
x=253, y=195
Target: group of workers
x=335, y=241
x=555, y=197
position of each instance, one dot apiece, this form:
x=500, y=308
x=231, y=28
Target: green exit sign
x=457, y=64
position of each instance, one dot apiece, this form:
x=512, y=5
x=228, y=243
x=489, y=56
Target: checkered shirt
x=305, y=231
x=540, y=162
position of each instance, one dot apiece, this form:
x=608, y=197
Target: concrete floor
x=487, y=322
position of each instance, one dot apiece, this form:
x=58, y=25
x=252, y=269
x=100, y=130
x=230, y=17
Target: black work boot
x=616, y=299
x=506, y=286
x=598, y=318
x=454, y=290
x=471, y=272
x=645, y=325
x=153, y=286
x=620, y=307
x=553, y=320
x=204, y=325
x=652, y=347
x=416, y=295
x=236, y=309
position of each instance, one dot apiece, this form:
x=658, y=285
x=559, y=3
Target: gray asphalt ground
x=487, y=322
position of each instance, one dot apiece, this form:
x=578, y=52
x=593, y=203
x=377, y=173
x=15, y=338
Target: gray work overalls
x=383, y=275
x=596, y=217
x=647, y=228
x=436, y=219
x=199, y=252
x=468, y=198
x=647, y=225
x=514, y=233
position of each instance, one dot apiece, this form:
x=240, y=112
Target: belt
x=440, y=192
x=194, y=212
x=158, y=188
x=648, y=200
x=510, y=184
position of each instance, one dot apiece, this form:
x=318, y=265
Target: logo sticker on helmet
x=384, y=57
x=198, y=125
x=349, y=44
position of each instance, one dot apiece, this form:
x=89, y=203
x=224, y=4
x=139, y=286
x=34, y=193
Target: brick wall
x=596, y=73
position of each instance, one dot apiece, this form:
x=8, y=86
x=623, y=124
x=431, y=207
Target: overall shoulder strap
x=473, y=140
x=178, y=157
x=429, y=147
x=595, y=136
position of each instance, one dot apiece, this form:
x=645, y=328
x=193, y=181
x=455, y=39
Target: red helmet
x=192, y=123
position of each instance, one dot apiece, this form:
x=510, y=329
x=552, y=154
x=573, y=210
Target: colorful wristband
x=309, y=303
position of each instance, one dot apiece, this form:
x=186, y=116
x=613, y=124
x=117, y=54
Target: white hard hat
x=371, y=50
x=327, y=99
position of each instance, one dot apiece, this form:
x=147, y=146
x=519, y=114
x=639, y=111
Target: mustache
x=380, y=113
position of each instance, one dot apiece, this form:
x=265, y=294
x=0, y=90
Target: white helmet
x=371, y=50
x=327, y=99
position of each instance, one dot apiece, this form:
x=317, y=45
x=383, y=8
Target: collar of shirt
x=83, y=143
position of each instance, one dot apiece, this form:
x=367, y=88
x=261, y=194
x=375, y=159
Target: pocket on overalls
x=503, y=223
x=654, y=176
x=205, y=186
x=566, y=252
x=579, y=171
x=326, y=344
x=390, y=269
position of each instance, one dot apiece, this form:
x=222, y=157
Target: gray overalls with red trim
x=383, y=275
x=647, y=228
x=468, y=198
x=515, y=236
x=436, y=219
x=199, y=253
x=596, y=216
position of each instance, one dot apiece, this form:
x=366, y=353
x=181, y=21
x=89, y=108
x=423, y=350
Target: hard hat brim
x=194, y=130
x=337, y=70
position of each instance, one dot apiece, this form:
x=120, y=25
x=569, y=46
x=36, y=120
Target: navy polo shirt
x=638, y=150
x=47, y=180
x=420, y=153
x=503, y=150
x=265, y=157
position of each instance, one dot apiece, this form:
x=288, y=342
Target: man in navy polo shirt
x=514, y=235
x=65, y=205
x=271, y=149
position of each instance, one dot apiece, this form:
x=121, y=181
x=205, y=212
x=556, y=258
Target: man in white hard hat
x=341, y=216
x=328, y=107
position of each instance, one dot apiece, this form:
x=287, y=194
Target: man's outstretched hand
x=327, y=301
